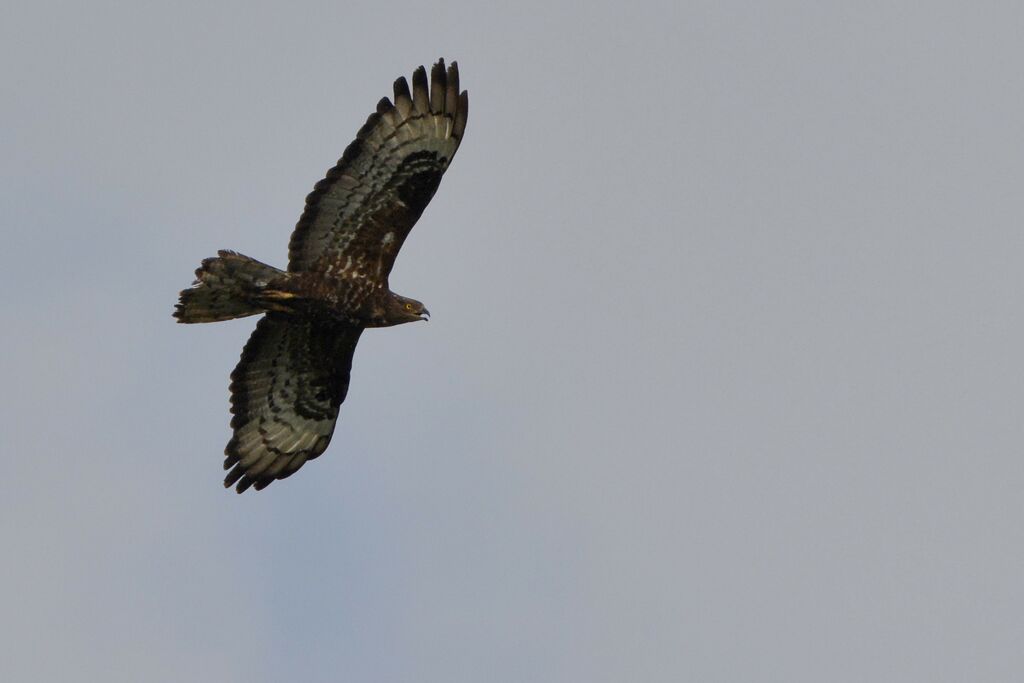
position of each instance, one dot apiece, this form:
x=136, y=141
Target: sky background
x=723, y=380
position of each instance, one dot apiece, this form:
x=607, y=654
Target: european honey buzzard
x=294, y=372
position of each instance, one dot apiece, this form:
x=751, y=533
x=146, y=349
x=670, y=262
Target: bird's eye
x=408, y=307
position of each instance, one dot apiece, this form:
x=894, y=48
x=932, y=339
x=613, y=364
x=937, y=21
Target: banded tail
x=227, y=286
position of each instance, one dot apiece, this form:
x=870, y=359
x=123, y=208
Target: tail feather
x=227, y=286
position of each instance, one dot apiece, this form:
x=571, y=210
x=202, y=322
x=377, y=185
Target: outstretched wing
x=285, y=395
x=357, y=218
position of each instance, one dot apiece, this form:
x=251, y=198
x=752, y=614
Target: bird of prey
x=294, y=371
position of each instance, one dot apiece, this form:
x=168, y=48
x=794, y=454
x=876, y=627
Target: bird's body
x=351, y=300
x=294, y=372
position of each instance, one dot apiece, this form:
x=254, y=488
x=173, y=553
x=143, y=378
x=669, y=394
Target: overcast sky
x=723, y=380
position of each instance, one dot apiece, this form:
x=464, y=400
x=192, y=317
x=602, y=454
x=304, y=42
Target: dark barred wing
x=285, y=395
x=357, y=218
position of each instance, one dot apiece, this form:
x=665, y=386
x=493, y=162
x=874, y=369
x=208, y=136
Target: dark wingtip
x=438, y=85
x=232, y=476
x=451, y=93
x=371, y=123
x=402, y=89
x=244, y=483
x=403, y=99
x=420, y=93
x=461, y=115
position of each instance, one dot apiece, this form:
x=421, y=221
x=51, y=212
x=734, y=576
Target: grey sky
x=723, y=380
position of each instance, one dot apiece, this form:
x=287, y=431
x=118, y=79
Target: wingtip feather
x=233, y=476
x=451, y=93
x=461, y=115
x=438, y=85
x=403, y=99
x=420, y=93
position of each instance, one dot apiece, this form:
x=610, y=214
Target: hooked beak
x=425, y=315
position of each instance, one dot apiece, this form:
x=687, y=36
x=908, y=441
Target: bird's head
x=406, y=310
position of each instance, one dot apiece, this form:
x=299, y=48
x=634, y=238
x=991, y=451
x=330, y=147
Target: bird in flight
x=294, y=371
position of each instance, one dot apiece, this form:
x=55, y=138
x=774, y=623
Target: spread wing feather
x=357, y=218
x=285, y=394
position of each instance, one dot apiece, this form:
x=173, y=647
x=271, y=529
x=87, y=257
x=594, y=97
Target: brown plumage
x=294, y=372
